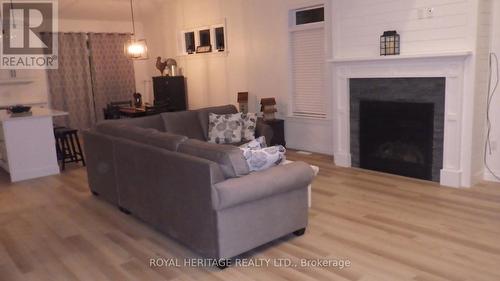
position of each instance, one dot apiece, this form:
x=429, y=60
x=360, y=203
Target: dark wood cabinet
x=278, y=126
x=170, y=91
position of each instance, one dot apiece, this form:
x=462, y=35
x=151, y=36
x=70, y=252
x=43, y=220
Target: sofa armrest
x=259, y=185
x=263, y=129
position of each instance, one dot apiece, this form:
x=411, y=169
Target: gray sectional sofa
x=161, y=169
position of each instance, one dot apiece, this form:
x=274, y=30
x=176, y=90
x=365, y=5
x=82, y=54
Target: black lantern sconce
x=389, y=43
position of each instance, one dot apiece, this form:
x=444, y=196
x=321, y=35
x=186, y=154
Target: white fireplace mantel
x=449, y=65
x=457, y=54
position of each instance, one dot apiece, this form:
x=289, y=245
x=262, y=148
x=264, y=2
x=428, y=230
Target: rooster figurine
x=161, y=65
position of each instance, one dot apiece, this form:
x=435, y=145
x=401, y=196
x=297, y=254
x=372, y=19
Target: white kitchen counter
x=37, y=112
x=27, y=143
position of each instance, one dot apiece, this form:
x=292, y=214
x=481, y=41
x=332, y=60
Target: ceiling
x=112, y=10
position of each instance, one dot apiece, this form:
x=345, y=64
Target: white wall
x=494, y=158
x=212, y=79
x=356, y=28
x=257, y=60
x=258, y=52
x=268, y=69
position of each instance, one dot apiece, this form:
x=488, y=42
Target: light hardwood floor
x=389, y=227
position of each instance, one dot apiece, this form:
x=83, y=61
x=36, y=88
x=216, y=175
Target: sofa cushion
x=224, y=128
x=248, y=125
x=257, y=143
x=259, y=159
x=230, y=158
x=184, y=123
x=133, y=133
x=153, y=122
x=203, y=115
x=166, y=140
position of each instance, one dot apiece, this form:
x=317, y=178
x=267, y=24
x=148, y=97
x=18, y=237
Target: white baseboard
x=342, y=159
x=309, y=149
x=21, y=175
x=451, y=178
x=477, y=177
x=489, y=177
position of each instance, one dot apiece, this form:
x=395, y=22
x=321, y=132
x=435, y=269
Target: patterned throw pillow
x=248, y=126
x=224, y=128
x=261, y=159
x=257, y=143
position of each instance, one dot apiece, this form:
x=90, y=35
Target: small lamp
x=136, y=49
x=389, y=43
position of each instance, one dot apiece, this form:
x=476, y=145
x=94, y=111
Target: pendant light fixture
x=134, y=48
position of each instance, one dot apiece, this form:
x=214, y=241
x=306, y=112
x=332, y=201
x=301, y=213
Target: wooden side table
x=278, y=126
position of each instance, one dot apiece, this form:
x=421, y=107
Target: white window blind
x=308, y=69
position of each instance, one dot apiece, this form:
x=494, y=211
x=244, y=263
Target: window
x=309, y=15
x=205, y=37
x=189, y=41
x=220, y=45
x=307, y=57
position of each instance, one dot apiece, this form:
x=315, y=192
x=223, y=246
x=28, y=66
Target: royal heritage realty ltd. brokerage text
x=249, y=262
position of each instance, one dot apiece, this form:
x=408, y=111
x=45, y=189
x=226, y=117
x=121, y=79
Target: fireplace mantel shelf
x=401, y=57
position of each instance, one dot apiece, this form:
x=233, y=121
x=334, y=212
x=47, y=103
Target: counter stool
x=68, y=146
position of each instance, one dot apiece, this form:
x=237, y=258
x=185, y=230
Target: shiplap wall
x=483, y=45
x=359, y=24
x=494, y=158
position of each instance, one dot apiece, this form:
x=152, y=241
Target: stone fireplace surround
x=408, y=90
x=450, y=66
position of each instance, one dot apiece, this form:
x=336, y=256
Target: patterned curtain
x=112, y=72
x=70, y=85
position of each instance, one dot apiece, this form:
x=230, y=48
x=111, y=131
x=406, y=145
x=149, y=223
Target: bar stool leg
x=80, y=149
x=58, y=149
x=73, y=152
x=66, y=152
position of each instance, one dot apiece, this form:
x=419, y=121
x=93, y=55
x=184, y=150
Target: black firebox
x=397, y=137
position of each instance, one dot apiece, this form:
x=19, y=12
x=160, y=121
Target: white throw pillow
x=224, y=128
x=257, y=143
x=264, y=158
x=249, y=123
